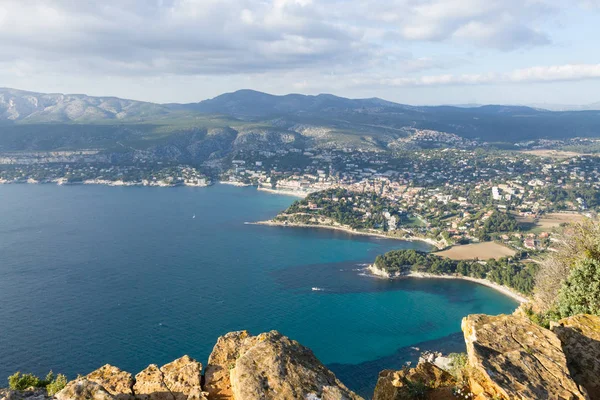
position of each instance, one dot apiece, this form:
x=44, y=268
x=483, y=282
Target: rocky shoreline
x=61, y=182
x=508, y=357
x=350, y=231
x=379, y=273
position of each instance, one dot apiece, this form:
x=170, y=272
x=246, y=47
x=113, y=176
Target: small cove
x=95, y=274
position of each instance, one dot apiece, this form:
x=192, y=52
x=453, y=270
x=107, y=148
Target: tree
x=577, y=242
x=580, y=294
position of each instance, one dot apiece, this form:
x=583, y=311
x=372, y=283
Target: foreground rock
x=178, y=380
x=511, y=358
x=33, y=394
x=270, y=366
x=426, y=381
x=183, y=377
x=150, y=385
x=220, y=363
x=580, y=338
x=83, y=389
x=115, y=381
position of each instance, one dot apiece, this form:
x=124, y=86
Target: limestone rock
x=83, y=389
x=33, y=394
x=7, y=394
x=177, y=380
x=116, y=382
x=512, y=358
x=183, y=377
x=426, y=381
x=522, y=310
x=436, y=358
x=270, y=366
x=580, y=337
x=221, y=361
x=150, y=385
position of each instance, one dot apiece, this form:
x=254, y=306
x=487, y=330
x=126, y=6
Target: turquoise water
x=92, y=275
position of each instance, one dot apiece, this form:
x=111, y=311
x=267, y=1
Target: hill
x=249, y=119
x=22, y=106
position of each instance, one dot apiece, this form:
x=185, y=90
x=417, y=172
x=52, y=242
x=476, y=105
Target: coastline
x=102, y=182
x=239, y=184
x=372, y=269
x=347, y=230
x=293, y=193
x=378, y=273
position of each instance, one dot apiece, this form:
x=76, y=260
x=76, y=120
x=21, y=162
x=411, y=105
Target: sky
x=408, y=51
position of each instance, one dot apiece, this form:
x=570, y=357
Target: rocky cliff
x=509, y=357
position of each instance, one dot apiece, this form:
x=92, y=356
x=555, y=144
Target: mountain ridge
x=251, y=120
x=21, y=105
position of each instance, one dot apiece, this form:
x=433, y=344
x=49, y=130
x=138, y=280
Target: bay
x=93, y=274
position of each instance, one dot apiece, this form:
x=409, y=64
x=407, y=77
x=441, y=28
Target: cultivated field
x=549, y=221
x=558, y=154
x=482, y=251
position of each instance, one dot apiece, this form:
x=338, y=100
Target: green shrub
x=542, y=319
x=417, y=389
x=20, y=381
x=580, y=293
x=458, y=364
x=53, y=384
x=56, y=385
x=576, y=242
x=48, y=380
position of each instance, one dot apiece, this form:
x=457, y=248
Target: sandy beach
x=293, y=193
x=419, y=275
x=240, y=184
x=500, y=288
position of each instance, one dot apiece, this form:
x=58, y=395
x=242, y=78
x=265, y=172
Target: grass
x=413, y=222
x=547, y=222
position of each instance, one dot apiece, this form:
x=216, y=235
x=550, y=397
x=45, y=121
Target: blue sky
x=410, y=51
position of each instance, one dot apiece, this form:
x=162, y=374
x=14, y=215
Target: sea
x=130, y=276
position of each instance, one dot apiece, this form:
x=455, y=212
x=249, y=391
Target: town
x=450, y=195
x=445, y=194
x=103, y=174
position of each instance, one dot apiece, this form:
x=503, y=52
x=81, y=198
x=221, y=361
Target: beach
x=240, y=184
x=294, y=193
x=376, y=272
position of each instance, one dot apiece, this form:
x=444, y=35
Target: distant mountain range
x=251, y=119
x=568, y=107
x=19, y=105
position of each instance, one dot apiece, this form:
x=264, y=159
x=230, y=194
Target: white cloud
x=500, y=24
x=570, y=72
x=278, y=45
x=557, y=73
x=245, y=36
x=590, y=3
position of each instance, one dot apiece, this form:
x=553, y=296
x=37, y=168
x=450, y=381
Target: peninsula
x=359, y=213
x=507, y=275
